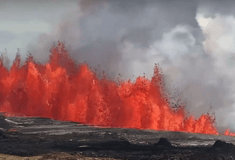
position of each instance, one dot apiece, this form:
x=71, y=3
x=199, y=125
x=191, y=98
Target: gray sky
x=23, y=21
x=193, y=41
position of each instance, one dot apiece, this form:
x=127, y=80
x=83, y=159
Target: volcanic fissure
x=64, y=90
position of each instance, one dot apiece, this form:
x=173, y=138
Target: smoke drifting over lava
x=64, y=90
x=129, y=37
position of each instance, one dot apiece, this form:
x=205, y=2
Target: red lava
x=64, y=90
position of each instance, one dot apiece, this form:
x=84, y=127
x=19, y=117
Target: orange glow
x=64, y=90
x=228, y=133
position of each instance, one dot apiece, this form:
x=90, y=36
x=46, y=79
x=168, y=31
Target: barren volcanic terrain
x=40, y=136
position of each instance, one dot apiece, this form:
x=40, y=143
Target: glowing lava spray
x=64, y=90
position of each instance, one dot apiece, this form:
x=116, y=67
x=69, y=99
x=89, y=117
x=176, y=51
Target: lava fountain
x=64, y=90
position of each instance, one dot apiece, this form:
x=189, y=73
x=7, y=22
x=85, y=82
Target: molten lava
x=228, y=133
x=64, y=90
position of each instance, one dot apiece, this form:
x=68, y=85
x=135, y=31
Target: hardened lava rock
x=51, y=138
x=222, y=147
x=163, y=143
x=4, y=125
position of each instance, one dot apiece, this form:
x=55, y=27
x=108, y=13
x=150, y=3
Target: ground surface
x=50, y=139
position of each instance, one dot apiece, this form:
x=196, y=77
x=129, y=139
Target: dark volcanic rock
x=40, y=136
x=4, y=125
x=111, y=140
x=163, y=142
x=222, y=147
x=2, y=135
x=112, y=135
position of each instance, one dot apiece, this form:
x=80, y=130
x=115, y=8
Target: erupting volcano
x=64, y=90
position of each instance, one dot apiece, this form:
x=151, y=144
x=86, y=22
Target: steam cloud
x=128, y=37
